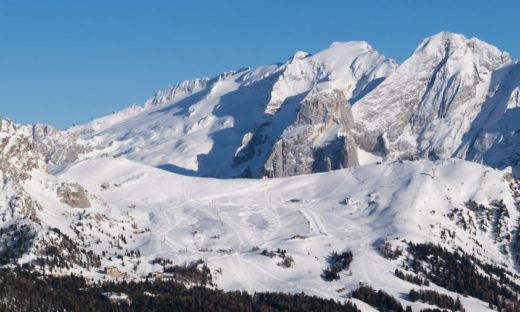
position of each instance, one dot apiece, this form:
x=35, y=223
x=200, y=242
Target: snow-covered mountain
x=35, y=206
x=270, y=234
x=366, y=158
x=429, y=102
x=453, y=97
x=229, y=125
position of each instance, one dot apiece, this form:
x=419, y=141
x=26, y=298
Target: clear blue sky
x=63, y=62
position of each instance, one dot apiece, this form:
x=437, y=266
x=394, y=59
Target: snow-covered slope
x=108, y=204
x=33, y=204
x=229, y=222
x=227, y=126
x=114, y=212
x=494, y=135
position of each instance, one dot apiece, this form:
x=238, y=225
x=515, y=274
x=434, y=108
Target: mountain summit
x=428, y=105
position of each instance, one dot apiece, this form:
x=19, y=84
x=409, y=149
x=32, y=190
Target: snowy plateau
x=316, y=175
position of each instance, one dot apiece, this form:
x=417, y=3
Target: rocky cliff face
x=19, y=159
x=18, y=153
x=494, y=136
x=60, y=147
x=320, y=139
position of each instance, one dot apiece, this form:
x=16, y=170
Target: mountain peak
x=351, y=45
x=424, y=105
x=299, y=55
x=100, y=204
x=447, y=41
x=442, y=39
x=347, y=66
x=185, y=87
x=427, y=105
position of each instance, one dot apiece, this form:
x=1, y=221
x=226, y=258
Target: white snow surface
x=304, y=215
x=228, y=222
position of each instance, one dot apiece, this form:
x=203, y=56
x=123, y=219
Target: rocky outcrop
x=22, y=203
x=18, y=153
x=182, y=89
x=73, y=195
x=59, y=147
x=320, y=139
x=16, y=203
x=19, y=159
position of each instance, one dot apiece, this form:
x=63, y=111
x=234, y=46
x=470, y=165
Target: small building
x=114, y=272
x=158, y=276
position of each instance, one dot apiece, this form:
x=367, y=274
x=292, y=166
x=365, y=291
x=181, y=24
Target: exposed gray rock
x=320, y=139
x=18, y=153
x=59, y=147
x=19, y=157
x=73, y=195
x=22, y=204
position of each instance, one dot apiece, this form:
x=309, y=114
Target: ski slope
x=222, y=221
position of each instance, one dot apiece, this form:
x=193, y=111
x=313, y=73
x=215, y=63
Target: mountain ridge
x=214, y=111
x=230, y=125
